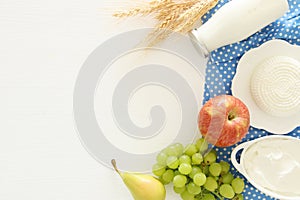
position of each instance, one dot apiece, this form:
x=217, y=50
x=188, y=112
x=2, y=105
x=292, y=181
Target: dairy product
x=275, y=165
x=275, y=86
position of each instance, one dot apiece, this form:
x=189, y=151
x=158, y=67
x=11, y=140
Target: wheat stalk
x=188, y=19
x=143, y=11
x=180, y=16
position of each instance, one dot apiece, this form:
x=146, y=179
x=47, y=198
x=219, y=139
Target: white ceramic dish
x=268, y=82
x=272, y=165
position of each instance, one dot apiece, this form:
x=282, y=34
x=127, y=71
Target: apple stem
x=114, y=164
x=230, y=116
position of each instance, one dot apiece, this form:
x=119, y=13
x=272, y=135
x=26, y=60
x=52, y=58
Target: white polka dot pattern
x=222, y=65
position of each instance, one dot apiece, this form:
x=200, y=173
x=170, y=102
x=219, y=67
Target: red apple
x=224, y=120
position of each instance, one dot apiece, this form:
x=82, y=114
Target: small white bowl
x=267, y=80
x=270, y=164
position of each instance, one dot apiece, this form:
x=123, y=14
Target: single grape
x=179, y=148
x=168, y=176
x=210, y=158
x=187, y=196
x=227, y=178
x=238, y=185
x=215, y=169
x=172, y=162
x=210, y=184
x=195, y=170
x=199, y=179
x=158, y=169
x=161, y=158
x=179, y=190
x=225, y=167
x=202, y=145
x=197, y=158
x=190, y=149
x=208, y=196
x=226, y=191
x=179, y=181
x=172, y=150
x=239, y=197
x=193, y=188
x=185, y=168
x=185, y=159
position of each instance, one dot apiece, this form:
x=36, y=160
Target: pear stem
x=114, y=164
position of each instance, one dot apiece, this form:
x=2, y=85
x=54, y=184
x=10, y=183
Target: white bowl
x=272, y=165
x=268, y=82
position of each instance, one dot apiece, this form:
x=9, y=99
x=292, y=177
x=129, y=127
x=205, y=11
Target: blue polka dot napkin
x=225, y=59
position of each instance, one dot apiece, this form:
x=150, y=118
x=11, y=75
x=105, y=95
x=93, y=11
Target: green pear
x=142, y=186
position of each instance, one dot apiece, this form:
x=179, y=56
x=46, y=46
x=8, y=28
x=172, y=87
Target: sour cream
x=275, y=165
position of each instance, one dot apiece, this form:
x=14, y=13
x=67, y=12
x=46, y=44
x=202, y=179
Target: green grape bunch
x=196, y=174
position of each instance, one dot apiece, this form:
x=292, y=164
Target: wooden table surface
x=43, y=44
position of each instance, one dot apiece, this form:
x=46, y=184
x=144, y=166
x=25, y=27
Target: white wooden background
x=43, y=44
